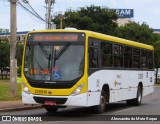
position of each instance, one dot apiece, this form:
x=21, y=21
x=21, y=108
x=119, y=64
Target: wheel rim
x=102, y=103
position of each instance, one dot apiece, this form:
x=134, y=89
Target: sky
x=147, y=11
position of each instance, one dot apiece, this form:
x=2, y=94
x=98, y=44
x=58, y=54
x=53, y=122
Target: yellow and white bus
x=84, y=68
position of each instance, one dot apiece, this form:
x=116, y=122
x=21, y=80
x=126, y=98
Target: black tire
x=137, y=101
x=129, y=102
x=102, y=106
x=51, y=110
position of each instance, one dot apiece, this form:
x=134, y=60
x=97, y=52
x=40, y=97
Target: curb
x=20, y=108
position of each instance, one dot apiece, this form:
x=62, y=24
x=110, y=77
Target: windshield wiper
x=46, y=54
x=60, y=53
x=43, y=76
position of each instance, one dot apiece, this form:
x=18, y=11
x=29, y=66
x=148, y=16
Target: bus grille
x=43, y=99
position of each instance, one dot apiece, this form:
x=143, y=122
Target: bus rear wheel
x=51, y=110
x=102, y=106
x=137, y=101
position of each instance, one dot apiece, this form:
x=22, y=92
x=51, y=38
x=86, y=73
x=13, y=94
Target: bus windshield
x=64, y=62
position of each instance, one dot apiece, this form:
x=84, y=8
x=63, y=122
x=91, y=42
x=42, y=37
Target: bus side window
x=93, y=57
x=118, y=56
x=106, y=54
x=127, y=57
x=136, y=58
x=143, y=59
x=150, y=60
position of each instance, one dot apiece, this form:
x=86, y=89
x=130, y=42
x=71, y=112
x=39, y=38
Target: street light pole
x=13, y=62
x=48, y=13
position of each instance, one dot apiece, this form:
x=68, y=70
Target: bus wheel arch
x=103, y=99
x=105, y=88
x=137, y=101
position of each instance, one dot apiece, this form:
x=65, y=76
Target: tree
x=4, y=56
x=157, y=57
x=137, y=32
x=94, y=18
x=19, y=54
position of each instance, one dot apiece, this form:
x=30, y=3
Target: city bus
x=63, y=68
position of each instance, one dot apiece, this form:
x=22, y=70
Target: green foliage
x=4, y=56
x=157, y=54
x=92, y=18
x=137, y=32
x=19, y=54
x=19, y=70
x=157, y=57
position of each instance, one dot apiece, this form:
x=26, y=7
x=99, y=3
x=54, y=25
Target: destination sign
x=55, y=37
x=49, y=37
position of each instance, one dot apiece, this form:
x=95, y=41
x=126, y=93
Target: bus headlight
x=78, y=90
x=25, y=88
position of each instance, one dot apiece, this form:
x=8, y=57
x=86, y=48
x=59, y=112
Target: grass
x=5, y=91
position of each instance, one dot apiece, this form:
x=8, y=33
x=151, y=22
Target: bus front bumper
x=78, y=100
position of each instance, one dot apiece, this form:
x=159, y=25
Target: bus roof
x=103, y=37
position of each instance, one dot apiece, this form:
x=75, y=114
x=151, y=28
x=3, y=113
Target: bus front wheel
x=102, y=106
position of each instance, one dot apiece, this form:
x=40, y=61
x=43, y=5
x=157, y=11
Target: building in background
x=156, y=31
x=20, y=35
x=2, y=30
x=124, y=16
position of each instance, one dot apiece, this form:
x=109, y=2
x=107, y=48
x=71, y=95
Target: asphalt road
x=149, y=108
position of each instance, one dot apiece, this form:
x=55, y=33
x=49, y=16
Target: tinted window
x=150, y=60
x=127, y=57
x=93, y=52
x=143, y=59
x=136, y=58
x=118, y=56
x=106, y=54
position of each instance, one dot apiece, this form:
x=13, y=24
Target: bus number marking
x=40, y=92
x=140, y=76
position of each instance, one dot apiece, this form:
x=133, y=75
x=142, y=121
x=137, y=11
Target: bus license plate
x=50, y=103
